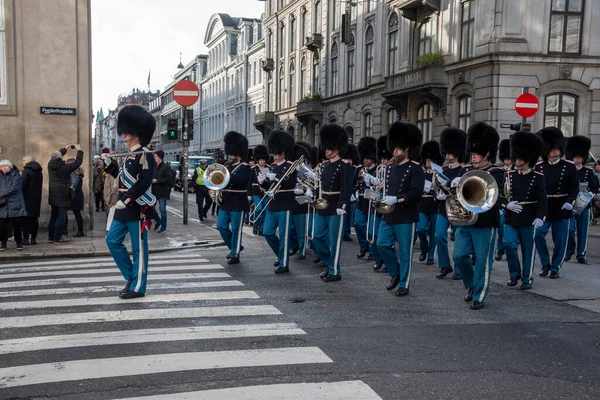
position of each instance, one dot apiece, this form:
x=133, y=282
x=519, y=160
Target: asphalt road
x=282, y=335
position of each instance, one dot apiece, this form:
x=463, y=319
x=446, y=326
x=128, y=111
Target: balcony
x=309, y=109
x=429, y=82
x=314, y=42
x=265, y=122
x=418, y=10
x=268, y=65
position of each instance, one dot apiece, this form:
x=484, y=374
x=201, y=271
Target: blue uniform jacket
x=450, y=173
x=336, y=177
x=284, y=199
x=588, y=181
x=490, y=218
x=405, y=181
x=361, y=186
x=235, y=194
x=562, y=186
x=525, y=188
x=428, y=204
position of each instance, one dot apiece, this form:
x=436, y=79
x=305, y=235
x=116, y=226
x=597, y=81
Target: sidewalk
x=195, y=234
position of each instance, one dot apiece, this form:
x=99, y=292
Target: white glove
x=427, y=187
x=120, y=205
x=270, y=194
x=374, y=181
x=298, y=192
x=249, y=198
x=455, y=182
x=309, y=193
x=367, y=179
x=106, y=159
x=514, y=207
x=537, y=223
x=339, y=211
x=311, y=175
x=441, y=196
x=501, y=212
x=271, y=175
x=390, y=200
x=261, y=178
x=567, y=206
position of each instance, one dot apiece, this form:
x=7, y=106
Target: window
x=368, y=124
x=350, y=131
x=566, y=19
x=464, y=112
x=425, y=120
x=317, y=129
x=392, y=117
x=561, y=112
x=304, y=133
x=292, y=85
x=428, y=37
x=317, y=19
x=303, y=88
x=281, y=87
x=351, y=78
x=304, y=26
x=316, y=74
x=371, y=5
x=334, y=69
x=293, y=34
x=3, y=82
x=369, y=55
x=255, y=71
x=467, y=30
x=392, y=51
x=281, y=44
x=269, y=44
x=335, y=18
x=260, y=73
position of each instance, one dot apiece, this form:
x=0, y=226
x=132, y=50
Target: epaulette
x=539, y=173
x=414, y=162
x=569, y=161
x=540, y=163
x=591, y=169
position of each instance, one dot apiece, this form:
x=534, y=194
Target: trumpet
x=380, y=206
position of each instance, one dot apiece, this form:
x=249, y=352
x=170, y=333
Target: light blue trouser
x=280, y=245
x=501, y=233
x=258, y=207
x=426, y=232
x=136, y=271
x=360, y=227
x=162, y=206
x=404, y=235
x=232, y=237
x=441, y=240
x=481, y=240
x=328, y=240
x=581, y=224
x=373, y=246
x=298, y=233
x=525, y=237
x=560, y=235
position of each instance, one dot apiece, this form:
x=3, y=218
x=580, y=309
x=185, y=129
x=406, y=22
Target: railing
x=423, y=77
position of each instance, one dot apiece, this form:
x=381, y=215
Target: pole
x=524, y=120
x=184, y=170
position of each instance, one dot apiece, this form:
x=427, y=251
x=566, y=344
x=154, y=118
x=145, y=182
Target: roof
x=100, y=115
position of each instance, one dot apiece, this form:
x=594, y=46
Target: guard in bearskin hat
x=336, y=189
x=482, y=144
x=578, y=151
x=562, y=188
x=504, y=156
x=525, y=204
x=402, y=191
x=453, y=144
x=367, y=149
x=261, y=155
x=282, y=202
x=428, y=207
x=353, y=158
x=234, y=198
x=136, y=126
x=384, y=157
x=299, y=218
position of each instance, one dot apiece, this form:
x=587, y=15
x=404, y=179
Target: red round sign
x=527, y=105
x=186, y=93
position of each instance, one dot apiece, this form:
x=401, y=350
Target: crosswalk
x=64, y=332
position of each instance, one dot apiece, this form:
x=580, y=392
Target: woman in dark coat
x=77, y=201
x=12, y=204
x=32, y=192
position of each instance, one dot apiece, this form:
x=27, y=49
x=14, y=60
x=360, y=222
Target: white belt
x=331, y=193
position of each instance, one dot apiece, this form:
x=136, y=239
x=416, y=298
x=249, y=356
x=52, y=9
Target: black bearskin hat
x=352, y=154
x=261, y=153
x=504, y=149
x=367, y=148
x=236, y=144
x=334, y=137
x=553, y=139
x=431, y=150
x=526, y=146
x=321, y=154
x=300, y=151
x=453, y=141
x=578, y=146
x=250, y=156
x=382, y=150
x=482, y=139
x=307, y=146
x=314, y=156
x=137, y=121
x=280, y=142
x=405, y=136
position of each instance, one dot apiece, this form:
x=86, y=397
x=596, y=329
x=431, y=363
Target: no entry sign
x=527, y=105
x=186, y=93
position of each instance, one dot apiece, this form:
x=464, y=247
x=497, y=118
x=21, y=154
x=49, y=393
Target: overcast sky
x=132, y=37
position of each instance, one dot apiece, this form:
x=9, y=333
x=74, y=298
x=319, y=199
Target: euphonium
x=320, y=203
x=380, y=206
x=216, y=177
x=477, y=192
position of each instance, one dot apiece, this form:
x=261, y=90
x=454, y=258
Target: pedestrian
x=203, y=199
x=99, y=185
x=161, y=187
x=32, y=192
x=12, y=204
x=59, y=191
x=78, y=200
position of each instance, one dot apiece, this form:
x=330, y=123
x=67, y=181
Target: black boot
x=393, y=283
x=361, y=254
x=512, y=282
x=477, y=305
x=499, y=255
x=422, y=256
x=444, y=272
x=377, y=265
x=79, y=234
x=469, y=295
x=545, y=270
x=25, y=242
x=126, y=288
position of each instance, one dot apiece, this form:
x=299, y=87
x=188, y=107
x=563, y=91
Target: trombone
x=373, y=195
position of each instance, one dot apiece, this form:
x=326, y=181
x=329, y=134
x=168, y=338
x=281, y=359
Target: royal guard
x=506, y=163
x=334, y=200
x=351, y=157
x=578, y=151
x=403, y=187
x=480, y=237
x=313, y=163
x=299, y=219
x=453, y=144
x=280, y=184
x=384, y=156
x=234, y=202
x=525, y=204
x=261, y=155
x=367, y=150
x=428, y=207
x=562, y=188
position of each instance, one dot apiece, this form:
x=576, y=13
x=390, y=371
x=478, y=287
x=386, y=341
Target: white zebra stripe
x=104, y=260
x=166, y=265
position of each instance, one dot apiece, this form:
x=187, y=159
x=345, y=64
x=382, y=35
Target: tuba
x=216, y=178
x=477, y=192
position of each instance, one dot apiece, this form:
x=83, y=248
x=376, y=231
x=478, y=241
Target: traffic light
x=190, y=123
x=526, y=127
x=172, y=129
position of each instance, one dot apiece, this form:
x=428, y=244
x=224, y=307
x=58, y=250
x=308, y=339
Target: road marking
x=156, y=298
x=136, y=315
x=111, y=288
x=147, y=336
x=74, y=261
x=157, y=363
x=173, y=268
x=284, y=391
x=111, y=279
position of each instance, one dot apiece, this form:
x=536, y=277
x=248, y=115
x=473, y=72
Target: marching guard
x=482, y=144
x=562, y=187
x=453, y=143
x=283, y=201
x=335, y=189
x=136, y=126
x=384, y=156
x=403, y=188
x=578, y=150
x=505, y=159
x=353, y=158
x=525, y=204
x=261, y=155
x=367, y=149
x=299, y=220
x=234, y=201
x=428, y=206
